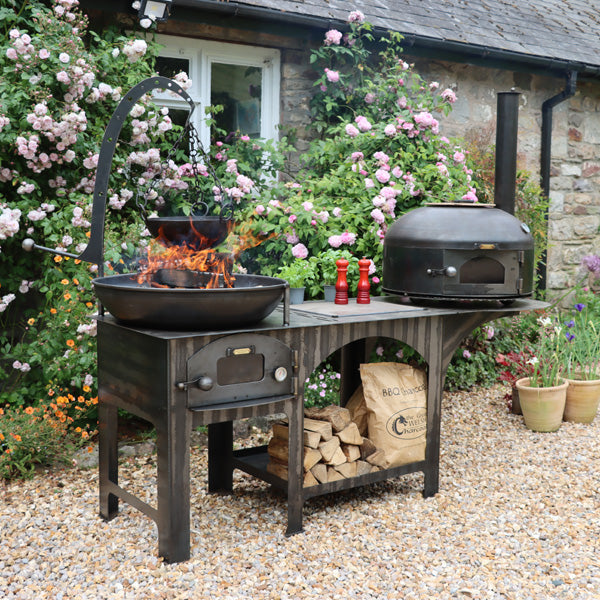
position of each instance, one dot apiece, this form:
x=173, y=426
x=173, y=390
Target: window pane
x=169, y=67
x=238, y=89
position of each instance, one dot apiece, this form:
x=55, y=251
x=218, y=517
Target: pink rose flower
x=449, y=96
x=382, y=176
x=332, y=76
x=333, y=37
x=299, y=251
x=351, y=130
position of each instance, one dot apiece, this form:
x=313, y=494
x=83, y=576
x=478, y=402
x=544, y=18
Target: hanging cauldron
x=160, y=304
x=459, y=251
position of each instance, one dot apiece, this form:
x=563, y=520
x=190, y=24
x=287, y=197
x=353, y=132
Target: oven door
x=240, y=367
x=483, y=274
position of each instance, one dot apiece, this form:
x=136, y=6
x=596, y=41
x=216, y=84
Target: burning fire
x=190, y=263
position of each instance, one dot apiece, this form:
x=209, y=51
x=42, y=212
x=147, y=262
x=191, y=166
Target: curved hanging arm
x=94, y=251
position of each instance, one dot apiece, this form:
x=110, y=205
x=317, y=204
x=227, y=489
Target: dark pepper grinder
x=341, y=286
x=364, y=285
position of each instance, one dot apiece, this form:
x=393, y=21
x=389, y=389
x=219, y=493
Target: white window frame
x=201, y=55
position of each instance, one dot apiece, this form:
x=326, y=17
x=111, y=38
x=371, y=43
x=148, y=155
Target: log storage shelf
x=173, y=380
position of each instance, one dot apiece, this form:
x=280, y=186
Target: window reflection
x=238, y=89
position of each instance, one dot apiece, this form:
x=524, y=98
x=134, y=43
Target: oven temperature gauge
x=280, y=374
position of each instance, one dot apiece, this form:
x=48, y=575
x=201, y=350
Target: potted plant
x=300, y=273
x=582, y=362
x=329, y=272
x=543, y=394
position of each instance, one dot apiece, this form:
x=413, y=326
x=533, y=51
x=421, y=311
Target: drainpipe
x=546, y=151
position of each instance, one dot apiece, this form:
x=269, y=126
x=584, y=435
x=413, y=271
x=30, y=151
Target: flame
x=191, y=258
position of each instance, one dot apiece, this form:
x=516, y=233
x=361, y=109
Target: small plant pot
x=583, y=397
x=543, y=407
x=329, y=291
x=296, y=295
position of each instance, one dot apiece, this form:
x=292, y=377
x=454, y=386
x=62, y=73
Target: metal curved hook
x=94, y=251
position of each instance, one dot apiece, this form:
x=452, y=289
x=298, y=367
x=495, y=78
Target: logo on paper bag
x=408, y=423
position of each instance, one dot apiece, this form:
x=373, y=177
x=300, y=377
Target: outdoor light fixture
x=153, y=11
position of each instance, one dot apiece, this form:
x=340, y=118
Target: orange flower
x=16, y=436
x=29, y=410
x=87, y=234
x=75, y=281
x=52, y=311
x=1, y=411
x=67, y=296
x=1, y=437
x=58, y=259
x=70, y=343
x=64, y=281
x=89, y=304
x=76, y=261
x=85, y=435
x=87, y=388
x=30, y=321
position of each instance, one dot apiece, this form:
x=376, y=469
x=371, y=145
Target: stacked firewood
x=333, y=447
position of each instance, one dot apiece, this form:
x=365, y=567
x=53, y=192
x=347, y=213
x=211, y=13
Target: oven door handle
x=203, y=382
x=443, y=272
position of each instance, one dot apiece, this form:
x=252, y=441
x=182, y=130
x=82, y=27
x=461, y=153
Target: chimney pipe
x=507, y=121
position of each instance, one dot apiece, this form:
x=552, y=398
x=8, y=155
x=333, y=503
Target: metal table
x=139, y=369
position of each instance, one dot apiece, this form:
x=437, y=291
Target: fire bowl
x=251, y=299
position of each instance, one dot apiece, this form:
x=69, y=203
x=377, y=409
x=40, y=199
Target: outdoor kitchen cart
x=179, y=380
x=180, y=354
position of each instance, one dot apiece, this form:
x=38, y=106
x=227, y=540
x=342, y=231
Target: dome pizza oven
x=459, y=251
x=466, y=251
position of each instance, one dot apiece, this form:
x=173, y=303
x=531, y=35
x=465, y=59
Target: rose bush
x=378, y=153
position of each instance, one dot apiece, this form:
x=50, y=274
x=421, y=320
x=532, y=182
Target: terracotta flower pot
x=542, y=408
x=583, y=397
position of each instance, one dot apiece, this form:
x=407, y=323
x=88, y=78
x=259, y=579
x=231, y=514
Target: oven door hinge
x=520, y=285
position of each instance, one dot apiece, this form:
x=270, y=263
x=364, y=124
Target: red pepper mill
x=341, y=286
x=364, y=286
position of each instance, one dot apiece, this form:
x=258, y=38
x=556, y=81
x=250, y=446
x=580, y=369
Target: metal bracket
x=94, y=251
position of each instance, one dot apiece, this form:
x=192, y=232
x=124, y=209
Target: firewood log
x=278, y=469
x=363, y=467
x=338, y=458
x=329, y=447
x=310, y=438
x=320, y=472
x=350, y=435
x=309, y=480
x=311, y=457
x=333, y=475
x=347, y=469
x=322, y=427
x=338, y=416
x=351, y=451
x=367, y=448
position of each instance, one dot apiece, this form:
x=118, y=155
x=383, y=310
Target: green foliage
x=378, y=153
x=30, y=438
x=322, y=388
x=299, y=273
x=581, y=357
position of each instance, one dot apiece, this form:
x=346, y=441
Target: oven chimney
x=507, y=120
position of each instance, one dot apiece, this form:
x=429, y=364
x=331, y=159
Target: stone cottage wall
x=574, y=217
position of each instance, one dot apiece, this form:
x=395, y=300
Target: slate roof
x=567, y=31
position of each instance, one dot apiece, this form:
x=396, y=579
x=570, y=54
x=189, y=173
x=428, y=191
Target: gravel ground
x=517, y=517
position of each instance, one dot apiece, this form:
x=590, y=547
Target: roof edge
x=553, y=66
